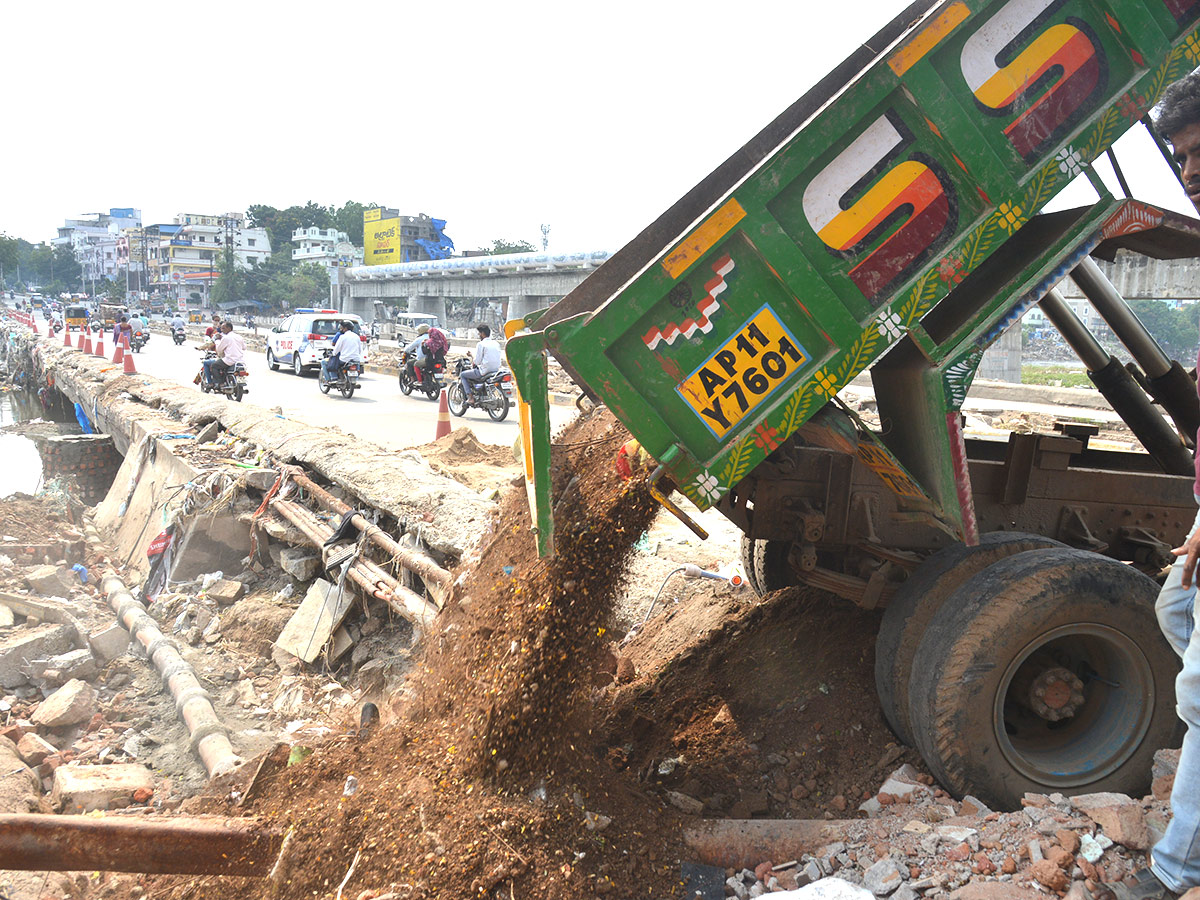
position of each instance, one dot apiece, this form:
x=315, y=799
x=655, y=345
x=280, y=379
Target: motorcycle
x=178, y=335
x=138, y=341
x=493, y=395
x=233, y=385
x=432, y=377
x=347, y=379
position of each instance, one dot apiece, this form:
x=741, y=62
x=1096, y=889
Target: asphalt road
x=377, y=411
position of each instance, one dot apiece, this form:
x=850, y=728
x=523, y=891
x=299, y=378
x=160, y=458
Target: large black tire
x=237, y=393
x=497, y=404
x=272, y=362
x=406, y=385
x=297, y=365
x=771, y=566
x=456, y=400
x=916, y=603
x=973, y=691
x=348, y=389
x=746, y=556
x=322, y=383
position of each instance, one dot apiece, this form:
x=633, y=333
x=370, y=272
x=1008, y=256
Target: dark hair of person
x=227, y=325
x=1179, y=106
x=485, y=330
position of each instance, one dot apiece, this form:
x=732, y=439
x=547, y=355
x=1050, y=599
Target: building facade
x=184, y=256
x=94, y=241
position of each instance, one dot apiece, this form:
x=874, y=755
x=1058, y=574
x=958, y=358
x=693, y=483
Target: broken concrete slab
x=225, y=592
x=19, y=649
x=81, y=789
x=20, y=788
x=6, y=616
x=65, y=666
x=311, y=626
x=71, y=704
x=46, y=581
x=1121, y=817
x=299, y=562
x=109, y=643
x=33, y=749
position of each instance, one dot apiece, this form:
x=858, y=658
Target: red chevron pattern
x=705, y=310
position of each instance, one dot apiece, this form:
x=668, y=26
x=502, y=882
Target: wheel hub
x=1056, y=694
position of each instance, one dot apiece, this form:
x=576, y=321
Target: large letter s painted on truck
x=866, y=191
x=1047, y=77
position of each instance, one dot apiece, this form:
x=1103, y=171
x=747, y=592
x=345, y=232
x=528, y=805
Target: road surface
x=377, y=412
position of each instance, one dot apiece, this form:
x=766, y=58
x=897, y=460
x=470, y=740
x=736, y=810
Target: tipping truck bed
x=892, y=219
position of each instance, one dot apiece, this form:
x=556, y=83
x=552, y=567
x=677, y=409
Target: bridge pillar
x=363, y=307
x=431, y=305
x=523, y=305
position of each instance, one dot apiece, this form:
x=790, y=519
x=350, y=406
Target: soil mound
x=460, y=455
x=486, y=779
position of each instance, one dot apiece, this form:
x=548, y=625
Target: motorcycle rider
x=230, y=349
x=214, y=330
x=346, y=349
x=487, y=362
x=178, y=324
x=414, y=353
x=122, y=330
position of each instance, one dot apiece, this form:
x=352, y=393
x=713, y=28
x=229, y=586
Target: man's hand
x=1190, y=550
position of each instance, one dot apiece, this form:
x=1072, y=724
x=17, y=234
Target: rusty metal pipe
x=411, y=559
x=152, y=846
x=364, y=573
x=193, y=704
x=744, y=843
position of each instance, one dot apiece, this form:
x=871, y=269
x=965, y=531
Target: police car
x=299, y=341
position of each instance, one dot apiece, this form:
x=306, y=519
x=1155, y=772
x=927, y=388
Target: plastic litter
x=350, y=787
x=298, y=754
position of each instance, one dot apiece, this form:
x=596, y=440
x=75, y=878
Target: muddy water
x=20, y=463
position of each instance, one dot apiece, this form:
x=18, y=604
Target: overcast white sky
x=498, y=117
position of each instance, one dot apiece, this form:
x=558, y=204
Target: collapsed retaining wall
x=403, y=485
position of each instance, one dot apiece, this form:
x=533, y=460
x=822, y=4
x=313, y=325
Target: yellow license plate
x=743, y=372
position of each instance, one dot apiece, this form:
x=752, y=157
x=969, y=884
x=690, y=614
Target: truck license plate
x=743, y=372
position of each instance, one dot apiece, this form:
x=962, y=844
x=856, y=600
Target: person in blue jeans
x=1175, y=860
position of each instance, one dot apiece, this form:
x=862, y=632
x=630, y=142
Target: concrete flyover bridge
x=524, y=281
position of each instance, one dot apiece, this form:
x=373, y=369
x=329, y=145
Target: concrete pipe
x=193, y=704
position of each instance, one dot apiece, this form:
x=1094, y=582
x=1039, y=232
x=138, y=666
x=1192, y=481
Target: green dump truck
x=891, y=220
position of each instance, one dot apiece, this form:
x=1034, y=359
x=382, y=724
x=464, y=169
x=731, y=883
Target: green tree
x=349, y=218
x=501, y=245
x=231, y=283
x=305, y=285
x=1174, y=329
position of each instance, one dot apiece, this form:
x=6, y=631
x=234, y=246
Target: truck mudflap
x=740, y=313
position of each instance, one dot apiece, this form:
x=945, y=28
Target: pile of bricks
x=89, y=460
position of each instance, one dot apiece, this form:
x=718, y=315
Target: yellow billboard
x=371, y=215
x=381, y=241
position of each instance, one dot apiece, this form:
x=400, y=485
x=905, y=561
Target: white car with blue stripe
x=299, y=341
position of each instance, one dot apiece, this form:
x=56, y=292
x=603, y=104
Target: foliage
x=231, y=284
x=281, y=223
x=1176, y=330
x=305, y=285
x=501, y=246
x=50, y=269
x=1055, y=376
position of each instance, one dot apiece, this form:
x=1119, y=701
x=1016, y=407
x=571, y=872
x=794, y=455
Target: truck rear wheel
x=746, y=556
x=771, y=566
x=915, y=604
x=1045, y=672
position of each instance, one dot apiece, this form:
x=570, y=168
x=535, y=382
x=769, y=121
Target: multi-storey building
x=187, y=253
x=94, y=240
x=326, y=247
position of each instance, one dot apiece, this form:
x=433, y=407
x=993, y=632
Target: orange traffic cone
x=33, y=325
x=80, y=342
x=100, y=344
x=443, y=425
x=119, y=353
x=66, y=337
x=87, y=344
x=130, y=368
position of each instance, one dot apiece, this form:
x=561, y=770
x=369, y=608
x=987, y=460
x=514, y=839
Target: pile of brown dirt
x=490, y=782
x=461, y=456
x=43, y=519
x=758, y=708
